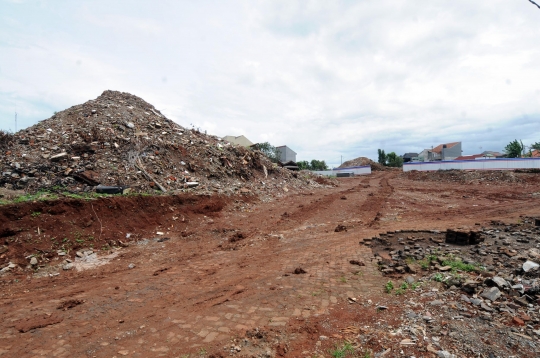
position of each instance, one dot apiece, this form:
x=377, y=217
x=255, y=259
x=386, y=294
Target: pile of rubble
x=118, y=140
x=362, y=161
x=468, y=284
x=472, y=176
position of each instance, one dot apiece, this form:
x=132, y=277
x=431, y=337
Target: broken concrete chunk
x=500, y=282
x=58, y=157
x=530, y=265
x=491, y=294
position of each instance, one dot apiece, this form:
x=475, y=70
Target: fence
x=481, y=164
x=362, y=170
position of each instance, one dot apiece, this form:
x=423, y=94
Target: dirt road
x=196, y=291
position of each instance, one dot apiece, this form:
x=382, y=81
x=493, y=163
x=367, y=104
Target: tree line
x=516, y=149
x=390, y=160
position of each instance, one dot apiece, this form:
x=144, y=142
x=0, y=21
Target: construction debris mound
x=119, y=141
x=472, y=176
x=362, y=161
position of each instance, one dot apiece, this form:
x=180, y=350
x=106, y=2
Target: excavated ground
x=231, y=276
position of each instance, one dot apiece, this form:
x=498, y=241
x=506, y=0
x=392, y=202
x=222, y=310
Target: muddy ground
x=234, y=276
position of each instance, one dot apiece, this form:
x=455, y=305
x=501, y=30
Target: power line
x=532, y=2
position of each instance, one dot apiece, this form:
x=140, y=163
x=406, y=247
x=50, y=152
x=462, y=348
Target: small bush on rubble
x=6, y=140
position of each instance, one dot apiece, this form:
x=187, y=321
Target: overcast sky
x=327, y=78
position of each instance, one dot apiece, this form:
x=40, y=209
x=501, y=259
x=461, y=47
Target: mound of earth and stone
x=119, y=140
x=362, y=161
x=474, y=176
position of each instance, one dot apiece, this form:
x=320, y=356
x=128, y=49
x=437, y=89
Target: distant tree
x=394, y=160
x=313, y=165
x=270, y=151
x=318, y=165
x=535, y=146
x=303, y=165
x=382, y=157
x=514, y=149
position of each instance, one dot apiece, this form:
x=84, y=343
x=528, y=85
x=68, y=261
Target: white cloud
x=324, y=77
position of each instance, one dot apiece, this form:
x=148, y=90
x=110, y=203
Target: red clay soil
x=44, y=227
x=221, y=279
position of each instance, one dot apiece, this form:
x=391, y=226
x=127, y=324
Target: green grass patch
x=389, y=286
x=457, y=265
x=344, y=351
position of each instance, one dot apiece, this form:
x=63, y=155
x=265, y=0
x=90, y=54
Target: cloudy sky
x=327, y=78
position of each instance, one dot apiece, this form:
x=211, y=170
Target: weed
x=343, y=279
x=35, y=214
x=399, y=291
x=438, y=277
x=460, y=266
x=415, y=285
x=389, y=287
x=343, y=351
x=202, y=352
x=404, y=286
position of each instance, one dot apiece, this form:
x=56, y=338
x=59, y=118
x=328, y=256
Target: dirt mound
x=48, y=227
x=462, y=176
x=361, y=161
x=118, y=139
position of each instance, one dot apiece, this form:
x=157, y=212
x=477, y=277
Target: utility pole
x=15, y=121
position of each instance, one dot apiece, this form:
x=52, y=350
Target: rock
x=67, y=266
x=530, y=265
x=491, y=294
x=3, y=249
x=519, y=288
x=470, y=286
x=499, y=281
x=486, y=307
x=191, y=184
x=356, y=262
x=130, y=266
x=445, y=354
x=437, y=303
x=413, y=268
x=58, y=157
x=33, y=261
x=340, y=228
x=445, y=268
x=299, y=270
x=475, y=301
x=518, y=321
x=410, y=280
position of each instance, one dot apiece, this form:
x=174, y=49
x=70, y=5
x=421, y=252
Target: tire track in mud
x=321, y=204
x=374, y=204
x=369, y=209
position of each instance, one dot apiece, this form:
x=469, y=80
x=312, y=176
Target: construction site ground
x=237, y=276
